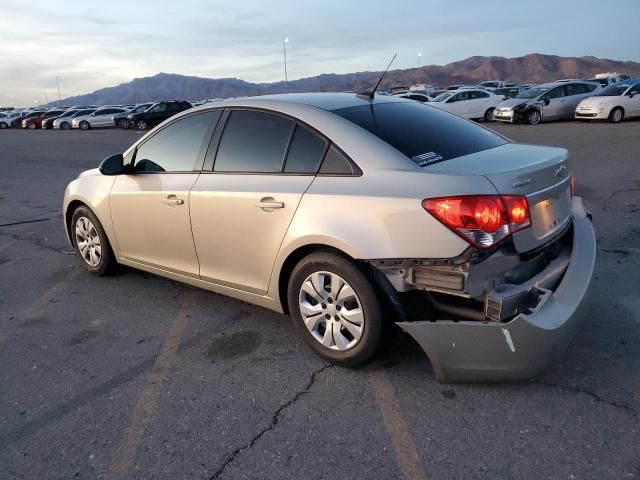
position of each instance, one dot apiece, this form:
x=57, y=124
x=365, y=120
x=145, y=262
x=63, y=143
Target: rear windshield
x=421, y=132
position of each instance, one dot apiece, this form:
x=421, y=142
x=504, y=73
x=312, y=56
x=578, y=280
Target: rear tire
x=488, y=115
x=533, y=117
x=343, y=326
x=616, y=115
x=31, y=125
x=3, y=126
x=141, y=125
x=84, y=125
x=123, y=123
x=91, y=243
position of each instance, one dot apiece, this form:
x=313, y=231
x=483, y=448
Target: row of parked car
x=490, y=101
x=141, y=116
x=532, y=104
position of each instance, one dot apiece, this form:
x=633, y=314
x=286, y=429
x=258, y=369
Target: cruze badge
x=559, y=171
x=522, y=183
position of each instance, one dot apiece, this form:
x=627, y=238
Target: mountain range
x=532, y=68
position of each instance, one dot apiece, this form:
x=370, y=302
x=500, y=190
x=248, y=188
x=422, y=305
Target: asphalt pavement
x=134, y=376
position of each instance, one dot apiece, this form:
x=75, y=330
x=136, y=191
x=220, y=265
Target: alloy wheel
x=88, y=241
x=331, y=311
x=534, y=117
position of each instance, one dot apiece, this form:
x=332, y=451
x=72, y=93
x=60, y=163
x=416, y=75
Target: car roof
x=325, y=101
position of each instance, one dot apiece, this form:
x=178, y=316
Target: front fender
x=92, y=191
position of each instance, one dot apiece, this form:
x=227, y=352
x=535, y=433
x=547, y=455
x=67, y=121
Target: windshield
x=614, y=90
x=532, y=92
x=140, y=108
x=424, y=134
x=490, y=84
x=442, y=97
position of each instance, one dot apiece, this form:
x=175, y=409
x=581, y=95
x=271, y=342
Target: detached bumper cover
x=526, y=345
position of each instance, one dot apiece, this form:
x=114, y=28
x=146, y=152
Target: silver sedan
x=351, y=214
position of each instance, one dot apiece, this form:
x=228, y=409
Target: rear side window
x=335, y=163
x=421, y=132
x=305, y=152
x=175, y=148
x=253, y=142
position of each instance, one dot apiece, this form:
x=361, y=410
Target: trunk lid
x=542, y=174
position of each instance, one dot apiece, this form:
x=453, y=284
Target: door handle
x=269, y=204
x=173, y=201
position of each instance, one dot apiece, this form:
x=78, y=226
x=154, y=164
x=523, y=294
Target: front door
x=150, y=206
x=554, y=105
x=240, y=211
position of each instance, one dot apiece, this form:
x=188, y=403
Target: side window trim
x=201, y=150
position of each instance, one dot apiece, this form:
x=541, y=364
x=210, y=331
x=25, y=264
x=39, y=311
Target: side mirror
x=631, y=95
x=547, y=101
x=112, y=165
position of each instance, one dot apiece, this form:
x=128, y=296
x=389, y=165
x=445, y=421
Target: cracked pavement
x=212, y=388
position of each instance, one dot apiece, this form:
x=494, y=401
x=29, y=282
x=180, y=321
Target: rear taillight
x=482, y=220
x=572, y=184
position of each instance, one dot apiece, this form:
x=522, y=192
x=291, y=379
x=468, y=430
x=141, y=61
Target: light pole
x=285, y=40
x=419, y=59
x=58, y=84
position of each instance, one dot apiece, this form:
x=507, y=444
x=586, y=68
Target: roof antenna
x=373, y=91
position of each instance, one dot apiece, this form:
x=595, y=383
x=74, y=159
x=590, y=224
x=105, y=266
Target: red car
x=32, y=122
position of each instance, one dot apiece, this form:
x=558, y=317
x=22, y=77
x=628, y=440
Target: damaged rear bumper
x=524, y=346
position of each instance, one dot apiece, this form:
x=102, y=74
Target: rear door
x=241, y=209
x=150, y=206
x=576, y=92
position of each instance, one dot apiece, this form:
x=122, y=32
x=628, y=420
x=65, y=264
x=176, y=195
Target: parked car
x=101, y=117
x=64, y=122
x=48, y=123
x=509, y=92
x=549, y=101
x=614, y=103
x=11, y=119
x=469, y=103
x=494, y=84
x=35, y=121
x=332, y=206
x=417, y=96
x=121, y=120
x=157, y=113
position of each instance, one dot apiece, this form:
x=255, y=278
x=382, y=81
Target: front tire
x=334, y=307
x=65, y=126
x=31, y=125
x=84, y=125
x=488, y=115
x=616, y=115
x=3, y=126
x=91, y=242
x=533, y=117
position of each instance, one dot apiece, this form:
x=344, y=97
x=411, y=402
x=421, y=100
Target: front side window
x=478, y=94
x=175, y=148
x=305, y=152
x=556, y=93
x=421, y=131
x=253, y=142
x=159, y=108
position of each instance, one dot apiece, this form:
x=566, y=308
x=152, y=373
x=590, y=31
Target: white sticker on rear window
x=428, y=158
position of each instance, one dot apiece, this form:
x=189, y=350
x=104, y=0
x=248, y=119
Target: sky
x=94, y=44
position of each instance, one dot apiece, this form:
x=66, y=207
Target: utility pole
x=46, y=97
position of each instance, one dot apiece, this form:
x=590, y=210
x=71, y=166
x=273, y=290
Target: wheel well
x=293, y=259
x=69, y=216
x=618, y=107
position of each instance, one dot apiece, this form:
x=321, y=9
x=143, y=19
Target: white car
x=103, y=117
x=469, y=103
x=617, y=101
